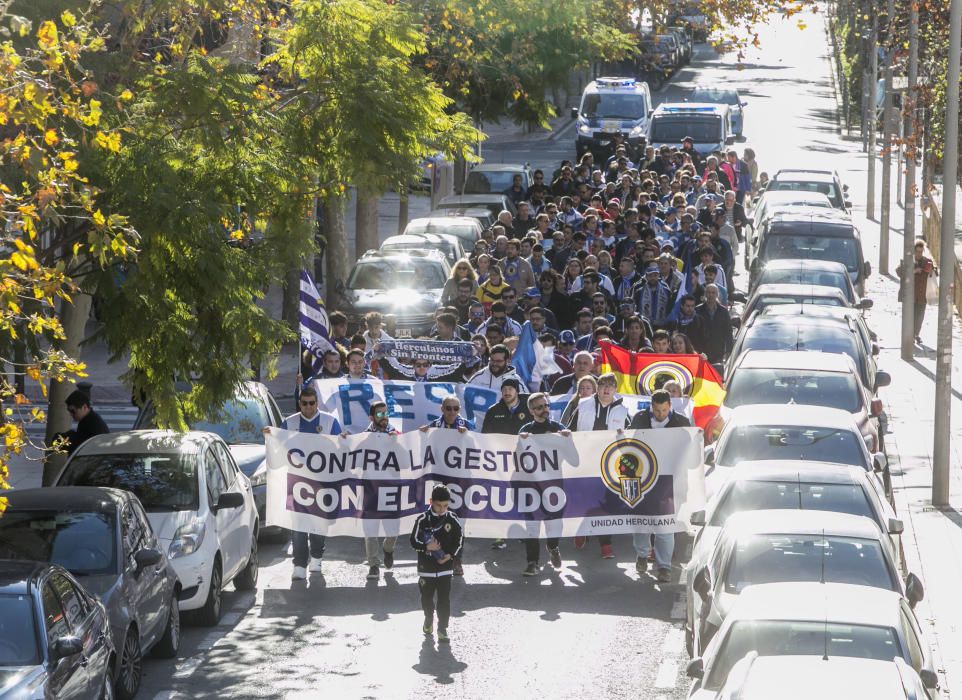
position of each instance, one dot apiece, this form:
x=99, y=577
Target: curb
x=833, y=59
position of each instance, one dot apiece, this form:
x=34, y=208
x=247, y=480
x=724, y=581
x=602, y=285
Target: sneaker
x=458, y=569
x=316, y=565
x=641, y=565
x=531, y=569
x=443, y=636
x=499, y=544
x=664, y=575
x=300, y=574
x=607, y=552
x=555, y=557
x=580, y=541
x=389, y=560
x=428, y=629
x=374, y=573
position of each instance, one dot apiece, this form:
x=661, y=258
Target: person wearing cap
x=566, y=345
x=438, y=538
x=612, y=211
x=688, y=149
x=511, y=412
x=653, y=298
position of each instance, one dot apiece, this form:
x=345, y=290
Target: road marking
x=667, y=674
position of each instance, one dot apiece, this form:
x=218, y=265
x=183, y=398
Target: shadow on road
x=438, y=661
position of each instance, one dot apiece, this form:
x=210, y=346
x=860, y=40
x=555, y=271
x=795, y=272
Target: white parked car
x=198, y=502
x=787, y=546
x=832, y=620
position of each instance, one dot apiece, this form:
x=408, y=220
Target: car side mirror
x=744, y=104
x=867, y=269
x=895, y=526
x=697, y=518
x=914, y=591
x=879, y=462
x=701, y=584
x=696, y=668
x=66, y=646
x=875, y=349
x=729, y=140
x=710, y=455
x=650, y=112
x=231, y=499
x=882, y=379
x=738, y=296
x=574, y=112
x=148, y=557
x=929, y=678
x=865, y=304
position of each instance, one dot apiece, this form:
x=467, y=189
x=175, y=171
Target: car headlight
x=636, y=132
x=584, y=129
x=259, y=477
x=187, y=539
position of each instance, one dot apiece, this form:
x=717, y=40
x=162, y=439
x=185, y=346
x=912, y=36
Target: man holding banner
x=380, y=423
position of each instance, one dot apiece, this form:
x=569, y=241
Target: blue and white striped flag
x=314, y=324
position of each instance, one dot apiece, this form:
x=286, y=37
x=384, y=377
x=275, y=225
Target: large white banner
x=602, y=482
x=413, y=404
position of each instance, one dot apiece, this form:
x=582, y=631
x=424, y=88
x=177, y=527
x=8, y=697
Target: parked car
x=825, y=181
x=709, y=126
x=487, y=178
x=685, y=41
x=809, y=232
x=820, y=620
x=766, y=295
x=789, y=432
x=448, y=246
x=103, y=537
x=55, y=637
x=238, y=423
x=801, y=271
x=407, y=286
x=198, y=502
x=772, y=200
x=609, y=106
x=787, y=547
x=465, y=228
x=805, y=677
x=484, y=216
x=725, y=96
x=818, y=486
x=494, y=202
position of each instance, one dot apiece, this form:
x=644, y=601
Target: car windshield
x=726, y=97
x=776, y=558
x=803, y=336
x=751, y=495
x=830, y=248
x=778, y=442
x=672, y=129
x=239, y=421
x=487, y=181
x=82, y=543
x=18, y=631
x=614, y=105
x=766, y=300
x=800, y=275
x=407, y=273
x=806, y=387
x=465, y=232
x=826, y=188
x=162, y=482
x=797, y=638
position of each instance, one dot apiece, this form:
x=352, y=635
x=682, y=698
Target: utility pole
x=943, y=352
x=873, y=121
x=909, y=107
x=883, y=258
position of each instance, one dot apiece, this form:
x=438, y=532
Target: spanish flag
x=645, y=372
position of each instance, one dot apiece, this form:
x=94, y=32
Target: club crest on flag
x=629, y=469
x=654, y=376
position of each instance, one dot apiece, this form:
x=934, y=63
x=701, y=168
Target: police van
x=611, y=106
x=709, y=125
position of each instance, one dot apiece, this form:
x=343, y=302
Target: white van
x=710, y=126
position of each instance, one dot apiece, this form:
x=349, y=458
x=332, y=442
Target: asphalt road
x=593, y=629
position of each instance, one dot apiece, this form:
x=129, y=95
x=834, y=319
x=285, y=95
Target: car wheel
x=131, y=666
x=276, y=535
x=107, y=691
x=209, y=615
x=246, y=580
x=169, y=644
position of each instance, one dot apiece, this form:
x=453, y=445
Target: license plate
x=403, y=332
x=610, y=127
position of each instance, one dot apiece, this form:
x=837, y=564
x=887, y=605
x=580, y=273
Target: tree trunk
x=335, y=255
x=402, y=214
x=73, y=317
x=366, y=221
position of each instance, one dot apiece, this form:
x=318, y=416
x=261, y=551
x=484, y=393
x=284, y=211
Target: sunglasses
x=308, y=403
x=380, y=414
x=477, y=314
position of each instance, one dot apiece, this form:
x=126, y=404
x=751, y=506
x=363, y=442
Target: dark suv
x=406, y=286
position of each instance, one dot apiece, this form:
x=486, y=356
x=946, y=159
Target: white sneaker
x=316, y=565
x=300, y=574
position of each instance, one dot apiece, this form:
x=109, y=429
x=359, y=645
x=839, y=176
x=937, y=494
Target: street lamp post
x=884, y=220
x=943, y=352
x=873, y=121
x=910, y=104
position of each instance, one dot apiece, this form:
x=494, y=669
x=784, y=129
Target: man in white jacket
x=496, y=371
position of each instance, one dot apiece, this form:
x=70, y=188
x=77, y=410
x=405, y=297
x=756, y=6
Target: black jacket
x=88, y=426
x=500, y=418
x=446, y=529
x=642, y=420
x=716, y=332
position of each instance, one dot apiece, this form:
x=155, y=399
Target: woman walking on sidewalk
x=923, y=267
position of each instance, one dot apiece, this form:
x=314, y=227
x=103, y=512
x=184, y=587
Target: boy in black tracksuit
x=437, y=537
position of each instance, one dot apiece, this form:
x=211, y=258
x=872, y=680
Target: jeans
x=532, y=548
x=441, y=585
x=664, y=547
x=373, y=549
x=301, y=540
